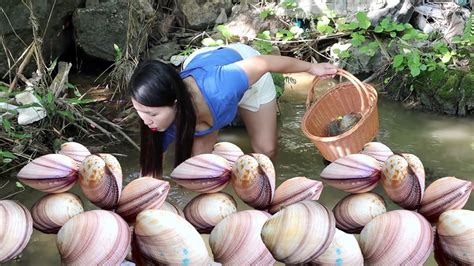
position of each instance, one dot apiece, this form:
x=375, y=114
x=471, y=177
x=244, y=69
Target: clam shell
x=94, y=238
x=343, y=250
x=455, y=238
x=52, y=211
x=398, y=237
x=204, y=173
x=206, y=210
x=403, y=179
x=354, y=173
x=100, y=178
x=377, y=150
x=141, y=194
x=299, y=232
x=354, y=211
x=253, y=179
x=16, y=227
x=228, y=150
x=236, y=239
x=168, y=206
x=163, y=237
x=444, y=194
x=76, y=151
x=294, y=190
x=51, y=173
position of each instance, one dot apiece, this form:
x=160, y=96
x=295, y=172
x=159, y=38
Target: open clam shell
x=377, y=150
x=354, y=211
x=95, y=237
x=203, y=173
x=16, y=227
x=100, y=178
x=51, y=173
x=76, y=151
x=206, y=210
x=141, y=194
x=253, y=179
x=444, y=194
x=300, y=232
x=455, y=238
x=162, y=237
x=228, y=150
x=403, y=179
x=398, y=237
x=236, y=239
x=52, y=211
x=354, y=173
x=343, y=250
x=294, y=190
x=168, y=206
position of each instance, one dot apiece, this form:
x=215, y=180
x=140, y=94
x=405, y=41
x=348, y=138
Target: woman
x=190, y=107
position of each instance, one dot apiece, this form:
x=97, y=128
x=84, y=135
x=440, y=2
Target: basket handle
x=341, y=72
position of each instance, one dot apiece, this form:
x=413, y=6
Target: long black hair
x=155, y=84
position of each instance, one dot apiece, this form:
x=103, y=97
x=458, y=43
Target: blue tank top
x=222, y=85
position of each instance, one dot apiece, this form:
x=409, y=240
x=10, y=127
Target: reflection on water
x=444, y=144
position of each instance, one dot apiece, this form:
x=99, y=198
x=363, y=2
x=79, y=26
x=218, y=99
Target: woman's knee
x=269, y=150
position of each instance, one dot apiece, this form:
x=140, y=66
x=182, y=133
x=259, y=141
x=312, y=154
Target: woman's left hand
x=323, y=70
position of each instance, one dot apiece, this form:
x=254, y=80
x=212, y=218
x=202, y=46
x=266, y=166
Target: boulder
x=202, y=14
x=104, y=23
x=17, y=34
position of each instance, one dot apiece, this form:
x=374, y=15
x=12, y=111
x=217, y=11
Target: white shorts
x=261, y=92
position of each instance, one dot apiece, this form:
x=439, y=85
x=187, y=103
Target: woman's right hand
x=323, y=70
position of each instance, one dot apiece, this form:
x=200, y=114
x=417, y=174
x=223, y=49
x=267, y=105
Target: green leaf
x=423, y=67
x=7, y=125
x=446, y=57
x=50, y=97
x=378, y=29
x=68, y=115
x=209, y=42
x=19, y=185
x=408, y=26
x=345, y=54
x=364, y=22
x=398, y=60
x=264, y=14
x=7, y=154
x=399, y=27
x=357, y=39
x=415, y=71
x=118, y=53
x=393, y=34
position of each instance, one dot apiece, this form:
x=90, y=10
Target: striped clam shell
x=354, y=211
x=294, y=190
x=16, y=227
x=52, y=211
x=455, y=238
x=403, y=179
x=253, y=180
x=100, y=178
x=51, y=173
x=95, y=237
x=76, y=151
x=300, y=232
x=206, y=210
x=228, y=150
x=377, y=150
x=141, y=194
x=354, y=173
x=168, y=206
x=444, y=194
x=162, y=237
x=399, y=237
x=236, y=239
x=343, y=250
x=203, y=173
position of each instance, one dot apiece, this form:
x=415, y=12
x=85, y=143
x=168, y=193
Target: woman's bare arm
x=256, y=66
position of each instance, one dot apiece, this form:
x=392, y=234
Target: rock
x=164, y=51
x=400, y=10
x=201, y=14
x=101, y=25
x=58, y=37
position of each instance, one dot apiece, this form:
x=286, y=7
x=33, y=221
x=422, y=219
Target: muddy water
x=444, y=144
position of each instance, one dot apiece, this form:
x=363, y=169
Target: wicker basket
x=343, y=98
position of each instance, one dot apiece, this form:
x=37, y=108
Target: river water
x=444, y=144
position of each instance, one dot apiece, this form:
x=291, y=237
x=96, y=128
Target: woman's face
x=156, y=118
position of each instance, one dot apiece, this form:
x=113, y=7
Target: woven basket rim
x=365, y=115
